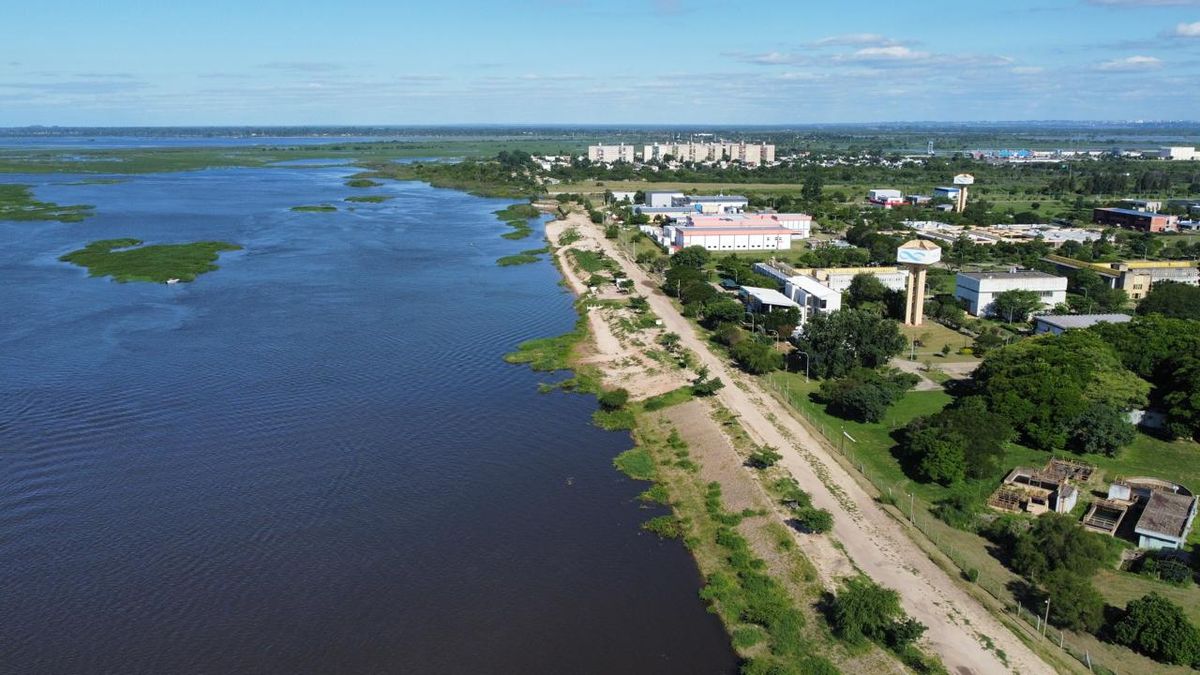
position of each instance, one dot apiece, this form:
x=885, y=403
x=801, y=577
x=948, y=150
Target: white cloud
x=1027, y=70
x=1132, y=63
x=1187, y=30
x=855, y=39
x=892, y=53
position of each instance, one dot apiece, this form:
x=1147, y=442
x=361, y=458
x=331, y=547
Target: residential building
x=1178, y=153
x=608, y=154
x=1136, y=220
x=751, y=153
x=1135, y=277
x=1059, y=323
x=979, y=289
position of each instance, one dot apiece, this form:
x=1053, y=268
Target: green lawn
x=1119, y=588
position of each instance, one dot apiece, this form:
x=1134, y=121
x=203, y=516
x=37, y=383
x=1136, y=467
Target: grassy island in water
x=127, y=260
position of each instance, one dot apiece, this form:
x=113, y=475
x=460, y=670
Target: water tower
x=961, y=181
x=917, y=255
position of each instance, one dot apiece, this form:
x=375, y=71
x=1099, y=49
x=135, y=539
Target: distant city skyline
x=591, y=62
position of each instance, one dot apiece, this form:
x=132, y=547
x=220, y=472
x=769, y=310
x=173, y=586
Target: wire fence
x=938, y=533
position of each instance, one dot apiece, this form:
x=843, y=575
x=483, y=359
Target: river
x=314, y=459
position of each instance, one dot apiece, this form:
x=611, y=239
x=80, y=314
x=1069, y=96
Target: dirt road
x=960, y=629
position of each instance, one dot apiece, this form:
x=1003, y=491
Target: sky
x=394, y=62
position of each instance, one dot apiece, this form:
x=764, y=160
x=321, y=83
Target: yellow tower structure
x=916, y=255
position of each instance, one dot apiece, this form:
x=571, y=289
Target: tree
x=866, y=289
x=1158, y=628
x=1042, y=385
x=840, y=341
x=863, y=610
x=782, y=321
x=1181, y=397
x=864, y=395
x=963, y=441
x=1056, y=542
x=691, y=256
x=721, y=310
x=811, y=191
x=1015, y=305
x=1074, y=601
x=1101, y=428
x=1172, y=299
x=669, y=341
x=757, y=358
x=703, y=385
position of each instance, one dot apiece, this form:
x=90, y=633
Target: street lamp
x=1046, y=621
x=806, y=362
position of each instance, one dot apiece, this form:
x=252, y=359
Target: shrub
x=764, y=458
x=756, y=358
x=817, y=521
x=1074, y=601
x=666, y=527
x=1159, y=629
x=863, y=610
x=614, y=399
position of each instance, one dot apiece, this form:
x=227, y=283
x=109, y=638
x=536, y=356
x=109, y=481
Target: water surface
x=313, y=460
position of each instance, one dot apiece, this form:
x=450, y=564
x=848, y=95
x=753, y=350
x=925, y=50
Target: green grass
x=318, y=208
x=17, y=203
x=593, y=261
x=369, y=199
x=127, y=260
x=362, y=183
x=673, y=397
x=1119, y=588
x=636, y=463
x=517, y=212
x=517, y=259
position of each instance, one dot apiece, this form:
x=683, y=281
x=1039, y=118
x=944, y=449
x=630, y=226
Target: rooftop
x=718, y=198
x=812, y=287
x=1166, y=513
x=769, y=296
x=1128, y=212
x=1012, y=274
x=1065, y=321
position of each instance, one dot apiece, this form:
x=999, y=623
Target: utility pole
x=1047, y=621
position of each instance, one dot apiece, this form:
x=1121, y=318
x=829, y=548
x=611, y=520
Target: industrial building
x=730, y=234
x=607, y=154
x=1060, y=323
x=1135, y=220
x=979, y=289
x=1135, y=277
x=950, y=193
x=1015, y=233
x=1150, y=205
x=886, y=198
x=711, y=204
x=659, y=199
x=819, y=290
x=1178, y=153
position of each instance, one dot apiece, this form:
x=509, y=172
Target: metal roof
x=1066, y=321
x=718, y=198
x=769, y=296
x=1018, y=274
x=1166, y=514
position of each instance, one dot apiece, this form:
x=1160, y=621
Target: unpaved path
x=958, y=625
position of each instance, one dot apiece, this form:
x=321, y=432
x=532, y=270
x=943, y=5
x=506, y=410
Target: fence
x=921, y=517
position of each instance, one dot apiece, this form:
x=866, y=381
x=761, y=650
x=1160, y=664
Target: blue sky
x=148, y=62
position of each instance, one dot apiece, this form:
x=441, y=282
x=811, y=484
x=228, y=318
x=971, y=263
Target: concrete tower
x=961, y=181
x=917, y=255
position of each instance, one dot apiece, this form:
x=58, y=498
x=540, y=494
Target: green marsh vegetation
x=517, y=216
x=509, y=174
x=369, y=199
x=128, y=260
x=523, y=258
x=17, y=203
x=362, y=183
x=317, y=208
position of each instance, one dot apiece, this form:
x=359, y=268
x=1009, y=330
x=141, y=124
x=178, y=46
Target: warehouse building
x=979, y=289
x=1135, y=220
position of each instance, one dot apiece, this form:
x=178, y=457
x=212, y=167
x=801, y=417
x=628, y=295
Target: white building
x=623, y=196
x=979, y=289
x=886, y=198
x=839, y=278
x=607, y=154
x=659, y=199
x=812, y=296
x=1178, y=153
x=719, y=203
x=748, y=153
x=734, y=238
x=765, y=299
